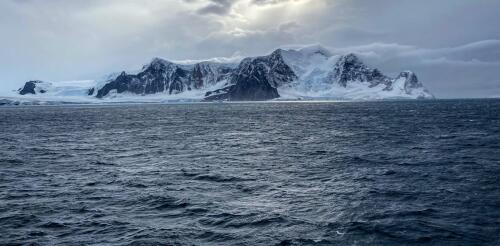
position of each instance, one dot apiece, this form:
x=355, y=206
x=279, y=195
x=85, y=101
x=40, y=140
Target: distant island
x=311, y=73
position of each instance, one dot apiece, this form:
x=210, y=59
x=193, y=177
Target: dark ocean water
x=364, y=173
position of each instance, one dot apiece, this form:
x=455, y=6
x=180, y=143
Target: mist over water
x=362, y=173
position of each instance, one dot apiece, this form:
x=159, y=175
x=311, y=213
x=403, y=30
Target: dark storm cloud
x=452, y=44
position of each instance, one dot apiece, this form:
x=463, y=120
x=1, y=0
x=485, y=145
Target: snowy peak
x=321, y=74
x=315, y=50
x=408, y=83
x=350, y=58
x=272, y=68
x=158, y=64
x=350, y=68
x=158, y=77
x=256, y=78
x=308, y=51
x=411, y=80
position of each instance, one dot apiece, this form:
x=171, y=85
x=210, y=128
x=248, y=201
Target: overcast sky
x=453, y=45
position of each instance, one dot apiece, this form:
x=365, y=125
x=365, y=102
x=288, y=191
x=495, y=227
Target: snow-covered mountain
x=324, y=75
x=308, y=73
x=315, y=73
x=161, y=76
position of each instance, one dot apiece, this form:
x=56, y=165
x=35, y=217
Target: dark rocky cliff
x=161, y=76
x=30, y=88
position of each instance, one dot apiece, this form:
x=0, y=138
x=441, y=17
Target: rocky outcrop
x=273, y=68
x=91, y=91
x=219, y=94
x=256, y=79
x=412, y=86
x=32, y=87
x=411, y=81
x=350, y=68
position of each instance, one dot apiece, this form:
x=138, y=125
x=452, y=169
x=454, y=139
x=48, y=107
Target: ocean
x=306, y=173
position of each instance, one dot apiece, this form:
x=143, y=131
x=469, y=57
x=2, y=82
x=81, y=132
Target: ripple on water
x=371, y=173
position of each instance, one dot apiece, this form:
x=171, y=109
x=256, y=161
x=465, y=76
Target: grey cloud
x=247, y=42
x=219, y=7
x=267, y=2
x=223, y=7
x=285, y=27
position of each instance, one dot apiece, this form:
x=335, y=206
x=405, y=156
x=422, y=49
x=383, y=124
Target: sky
x=452, y=45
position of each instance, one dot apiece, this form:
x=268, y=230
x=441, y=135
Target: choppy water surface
x=425, y=172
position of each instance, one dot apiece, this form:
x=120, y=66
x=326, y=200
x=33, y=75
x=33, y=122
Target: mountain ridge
x=307, y=73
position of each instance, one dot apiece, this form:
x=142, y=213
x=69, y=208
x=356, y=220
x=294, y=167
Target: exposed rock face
x=252, y=82
x=30, y=87
x=411, y=81
x=159, y=76
x=273, y=68
x=207, y=73
x=256, y=79
x=162, y=76
x=412, y=86
x=91, y=91
x=219, y=94
x=350, y=68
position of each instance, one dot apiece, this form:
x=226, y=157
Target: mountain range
x=286, y=74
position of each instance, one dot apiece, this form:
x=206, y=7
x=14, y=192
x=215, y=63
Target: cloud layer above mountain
x=453, y=45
